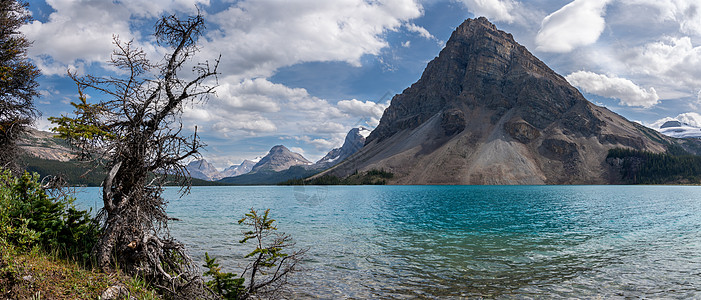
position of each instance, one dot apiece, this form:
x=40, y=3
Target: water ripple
x=438, y=242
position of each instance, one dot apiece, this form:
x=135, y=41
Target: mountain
x=44, y=145
x=269, y=176
x=680, y=130
x=279, y=158
x=201, y=169
x=47, y=155
x=355, y=140
x=245, y=167
x=486, y=111
x=280, y=164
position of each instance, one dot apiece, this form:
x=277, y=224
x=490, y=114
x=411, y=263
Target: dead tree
x=18, y=86
x=136, y=132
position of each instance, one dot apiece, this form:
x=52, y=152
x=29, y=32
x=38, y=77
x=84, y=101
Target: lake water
x=462, y=241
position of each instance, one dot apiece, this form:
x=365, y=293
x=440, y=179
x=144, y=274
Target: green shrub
x=225, y=284
x=30, y=217
x=270, y=263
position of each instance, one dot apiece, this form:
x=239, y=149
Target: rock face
x=201, y=169
x=355, y=140
x=680, y=130
x=245, y=167
x=279, y=158
x=486, y=111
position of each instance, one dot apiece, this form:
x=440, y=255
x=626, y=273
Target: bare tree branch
x=135, y=130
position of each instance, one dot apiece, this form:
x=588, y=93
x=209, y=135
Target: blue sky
x=302, y=73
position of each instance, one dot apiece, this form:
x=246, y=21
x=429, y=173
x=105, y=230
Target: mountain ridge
x=236, y=170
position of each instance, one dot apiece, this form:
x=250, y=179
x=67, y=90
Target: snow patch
x=364, y=132
x=684, y=130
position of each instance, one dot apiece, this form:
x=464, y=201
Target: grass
x=35, y=274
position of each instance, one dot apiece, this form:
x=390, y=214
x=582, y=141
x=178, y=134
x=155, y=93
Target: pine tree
x=18, y=85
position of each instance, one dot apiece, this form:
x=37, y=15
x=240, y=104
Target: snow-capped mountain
x=355, y=139
x=201, y=169
x=678, y=129
x=245, y=167
x=279, y=159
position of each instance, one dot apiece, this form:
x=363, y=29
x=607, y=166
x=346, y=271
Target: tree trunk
x=103, y=248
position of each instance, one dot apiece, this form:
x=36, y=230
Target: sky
x=302, y=73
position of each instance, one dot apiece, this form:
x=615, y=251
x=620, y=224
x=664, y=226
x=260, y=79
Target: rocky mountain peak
x=487, y=111
x=279, y=158
x=354, y=141
x=202, y=169
x=478, y=26
x=480, y=68
x=673, y=123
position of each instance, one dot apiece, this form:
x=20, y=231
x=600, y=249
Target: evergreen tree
x=18, y=85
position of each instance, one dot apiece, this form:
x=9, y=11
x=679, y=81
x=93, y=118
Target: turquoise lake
x=461, y=241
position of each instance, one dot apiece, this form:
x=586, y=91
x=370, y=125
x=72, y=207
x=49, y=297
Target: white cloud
x=327, y=127
x=258, y=106
x=421, y=31
x=368, y=110
x=494, y=10
x=256, y=95
x=691, y=118
x=78, y=32
x=197, y=114
x=614, y=87
x=154, y=8
x=298, y=150
x=250, y=124
x=686, y=13
x=675, y=61
x=256, y=36
x=576, y=24
x=43, y=124
x=320, y=144
x=261, y=36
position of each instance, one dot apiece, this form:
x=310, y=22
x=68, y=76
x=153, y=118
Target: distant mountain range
x=280, y=164
x=678, y=129
x=245, y=167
